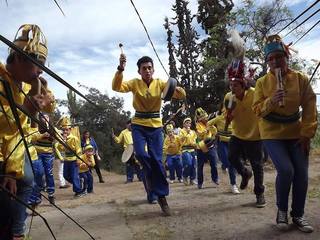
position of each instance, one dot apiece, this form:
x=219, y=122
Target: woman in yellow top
x=172, y=149
x=85, y=175
x=147, y=124
x=284, y=131
x=245, y=133
x=188, y=138
x=206, y=135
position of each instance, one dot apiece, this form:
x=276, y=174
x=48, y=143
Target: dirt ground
x=119, y=211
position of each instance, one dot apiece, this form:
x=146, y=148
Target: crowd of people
x=249, y=119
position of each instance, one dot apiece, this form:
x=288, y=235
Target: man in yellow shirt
x=286, y=132
x=172, y=150
x=245, y=136
x=132, y=167
x=147, y=124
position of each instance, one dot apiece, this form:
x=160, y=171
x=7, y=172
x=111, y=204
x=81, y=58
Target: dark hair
x=10, y=58
x=144, y=59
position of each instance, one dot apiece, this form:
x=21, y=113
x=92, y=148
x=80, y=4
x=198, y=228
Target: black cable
x=44, y=68
x=145, y=29
x=59, y=7
x=302, y=23
x=314, y=72
x=299, y=16
x=306, y=32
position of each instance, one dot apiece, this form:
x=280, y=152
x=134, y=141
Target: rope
x=302, y=22
x=299, y=16
x=145, y=29
x=306, y=32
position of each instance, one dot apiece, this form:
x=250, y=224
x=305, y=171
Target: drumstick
x=121, y=47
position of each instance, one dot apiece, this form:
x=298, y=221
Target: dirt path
x=119, y=211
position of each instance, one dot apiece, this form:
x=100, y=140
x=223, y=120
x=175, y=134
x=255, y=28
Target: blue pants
x=87, y=181
x=189, y=164
x=18, y=211
x=37, y=187
x=292, y=169
x=223, y=155
x=133, y=168
x=47, y=161
x=151, y=161
x=211, y=155
x=71, y=174
x=175, y=166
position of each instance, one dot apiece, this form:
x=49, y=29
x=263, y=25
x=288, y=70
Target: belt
x=224, y=133
x=277, y=118
x=187, y=147
x=147, y=114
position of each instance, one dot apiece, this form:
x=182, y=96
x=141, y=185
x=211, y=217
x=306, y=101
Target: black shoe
x=51, y=200
x=64, y=186
x=261, y=202
x=245, y=179
x=78, y=195
x=164, y=206
x=101, y=181
x=282, y=220
x=302, y=224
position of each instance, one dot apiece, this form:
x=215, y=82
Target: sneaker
x=282, y=220
x=78, y=195
x=153, y=201
x=51, y=200
x=64, y=186
x=245, y=180
x=164, y=206
x=234, y=189
x=193, y=182
x=261, y=202
x=185, y=181
x=171, y=181
x=200, y=186
x=302, y=224
x=216, y=183
x=180, y=180
x=101, y=181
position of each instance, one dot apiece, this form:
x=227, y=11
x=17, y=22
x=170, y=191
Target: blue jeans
x=47, y=161
x=151, y=161
x=189, y=164
x=87, y=181
x=211, y=155
x=24, y=185
x=175, y=166
x=71, y=174
x=292, y=170
x=133, y=168
x=223, y=155
x=37, y=187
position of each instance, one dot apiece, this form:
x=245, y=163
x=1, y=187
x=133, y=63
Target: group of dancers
x=279, y=113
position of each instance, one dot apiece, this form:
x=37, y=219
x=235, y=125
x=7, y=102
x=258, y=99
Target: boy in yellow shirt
x=172, y=150
x=286, y=132
x=85, y=166
x=147, y=124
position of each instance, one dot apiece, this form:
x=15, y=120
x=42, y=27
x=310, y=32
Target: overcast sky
x=83, y=46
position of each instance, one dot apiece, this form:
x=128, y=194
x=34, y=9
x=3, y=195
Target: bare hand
x=122, y=60
x=10, y=184
x=305, y=144
x=277, y=96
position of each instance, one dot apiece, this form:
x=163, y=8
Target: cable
x=306, y=32
x=302, y=23
x=145, y=29
x=59, y=7
x=299, y=16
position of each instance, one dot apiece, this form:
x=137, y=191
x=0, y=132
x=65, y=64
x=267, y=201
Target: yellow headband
x=88, y=147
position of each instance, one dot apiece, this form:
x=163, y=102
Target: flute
x=279, y=84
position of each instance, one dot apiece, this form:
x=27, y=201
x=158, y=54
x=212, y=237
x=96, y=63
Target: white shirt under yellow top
x=298, y=93
x=245, y=122
x=145, y=99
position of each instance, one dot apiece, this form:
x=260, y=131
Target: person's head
x=173, y=123
x=86, y=134
x=169, y=130
x=88, y=150
x=276, y=53
x=31, y=40
x=187, y=123
x=65, y=125
x=236, y=76
x=200, y=115
x=145, y=68
x=129, y=124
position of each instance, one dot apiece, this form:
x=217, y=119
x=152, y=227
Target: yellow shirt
x=245, y=122
x=298, y=93
x=83, y=165
x=205, y=131
x=172, y=145
x=145, y=99
x=188, y=140
x=124, y=137
x=220, y=121
x=74, y=143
